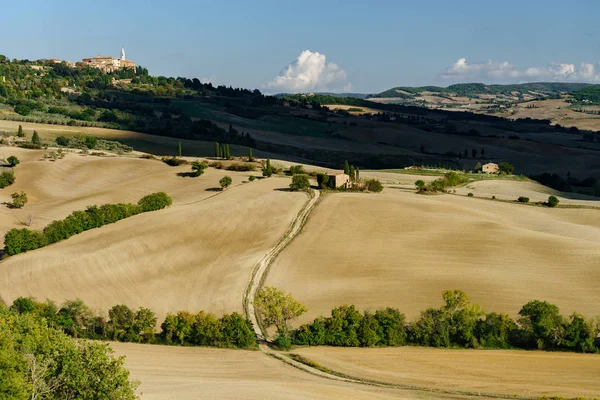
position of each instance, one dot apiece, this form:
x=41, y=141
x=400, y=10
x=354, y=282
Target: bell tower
x=122, y=53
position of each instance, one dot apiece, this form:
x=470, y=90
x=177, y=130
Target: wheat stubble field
x=197, y=254
x=395, y=248
x=401, y=249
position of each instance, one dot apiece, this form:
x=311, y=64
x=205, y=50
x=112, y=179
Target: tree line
x=458, y=323
x=21, y=240
x=123, y=324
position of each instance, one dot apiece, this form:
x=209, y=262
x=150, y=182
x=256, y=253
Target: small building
x=108, y=63
x=339, y=180
x=490, y=168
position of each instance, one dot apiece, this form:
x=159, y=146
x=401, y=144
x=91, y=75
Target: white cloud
x=310, y=72
x=462, y=71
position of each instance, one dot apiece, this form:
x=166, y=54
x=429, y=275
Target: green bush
x=523, y=199
x=62, y=140
x=506, y=168
x=552, y=201
x=13, y=161
x=420, y=184
x=225, y=182
x=373, y=185
x=19, y=199
x=251, y=178
x=7, y=178
x=322, y=180
x=300, y=182
x=297, y=170
x=155, y=201
x=240, y=167
x=198, y=167
x=450, y=179
x=174, y=161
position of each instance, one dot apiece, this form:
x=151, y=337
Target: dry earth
x=185, y=373
x=401, y=249
x=197, y=254
x=525, y=373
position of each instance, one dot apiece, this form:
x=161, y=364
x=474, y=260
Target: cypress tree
x=20, y=132
x=250, y=157
x=35, y=139
x=179, y=149
x=346, y=167
x=268, y=163
x=217, y=150
x=357, y=174
x=352, y=171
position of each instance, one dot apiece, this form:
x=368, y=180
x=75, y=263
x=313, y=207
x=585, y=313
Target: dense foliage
x=21, y=240
x=458, y=323
x=40, y=362
x=126, y=325
x=7, y=178
x=300, y=182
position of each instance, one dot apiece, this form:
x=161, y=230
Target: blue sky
x=362, y=46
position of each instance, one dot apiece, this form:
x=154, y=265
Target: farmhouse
x=490, y=168
x=339, y=180
x=108, y=63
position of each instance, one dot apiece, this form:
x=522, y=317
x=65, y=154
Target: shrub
x=35, y=139
x=523, y=199
x=22, y=109
x=20, y=132
x=300, y=182
x=217, y=165
x=13, y=161
x=322, y=180
x=7, y=178
x=267, y=170
x=19, y=199
x=373, y=185
x=552, y=201
x=62, y=141
x=470, y=194
x=225, y=182
x=241, y=167
x=198, y=167
x=493, y=197
x=448, y=180
x=251, y=178
x=174, y=161
x=297, y=170
x=90, y=142
x=154, y=201
x=506, y=168
x=420, y=184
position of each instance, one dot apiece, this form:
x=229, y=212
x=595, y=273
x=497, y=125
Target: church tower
x=122, y=53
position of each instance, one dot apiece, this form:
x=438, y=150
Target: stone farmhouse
x=108, y=63
x=339, y=180
x=490, y=168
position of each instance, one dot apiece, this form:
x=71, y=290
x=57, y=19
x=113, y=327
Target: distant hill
x=354, y=95
x=473, y=89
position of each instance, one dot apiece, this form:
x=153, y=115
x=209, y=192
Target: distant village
x=104, y=63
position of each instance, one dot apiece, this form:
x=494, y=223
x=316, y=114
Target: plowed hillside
x=196, y=254
x=402, y=249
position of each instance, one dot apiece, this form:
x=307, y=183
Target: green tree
x=346, y=167
x=144, y=323
x=373, y=185
x=20, y=132
x=506, y=168
x=250, y=156
x=179, y=154
x=120, y=322
x=18, y=199
x=542, y=323
x=198, y=167
x=420, y=184
x=478, y=167
x=13, y=161
x=579, y=334
x=225, y=182
x=357, y=175
x=352, y=173
x=217, y=150
x=322, y=180
x=277, y=308
x=35, y=139
x=552, y=201
x=300, y=182
x=267, y=170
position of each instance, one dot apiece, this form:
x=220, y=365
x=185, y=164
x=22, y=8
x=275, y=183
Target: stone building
x=490, y=168
x=109, y=63
x=339, y=180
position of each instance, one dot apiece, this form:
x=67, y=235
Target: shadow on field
x=187, y=174
x=213, y=190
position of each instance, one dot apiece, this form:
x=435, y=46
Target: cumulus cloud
x=494, y=71
x=310, y=72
